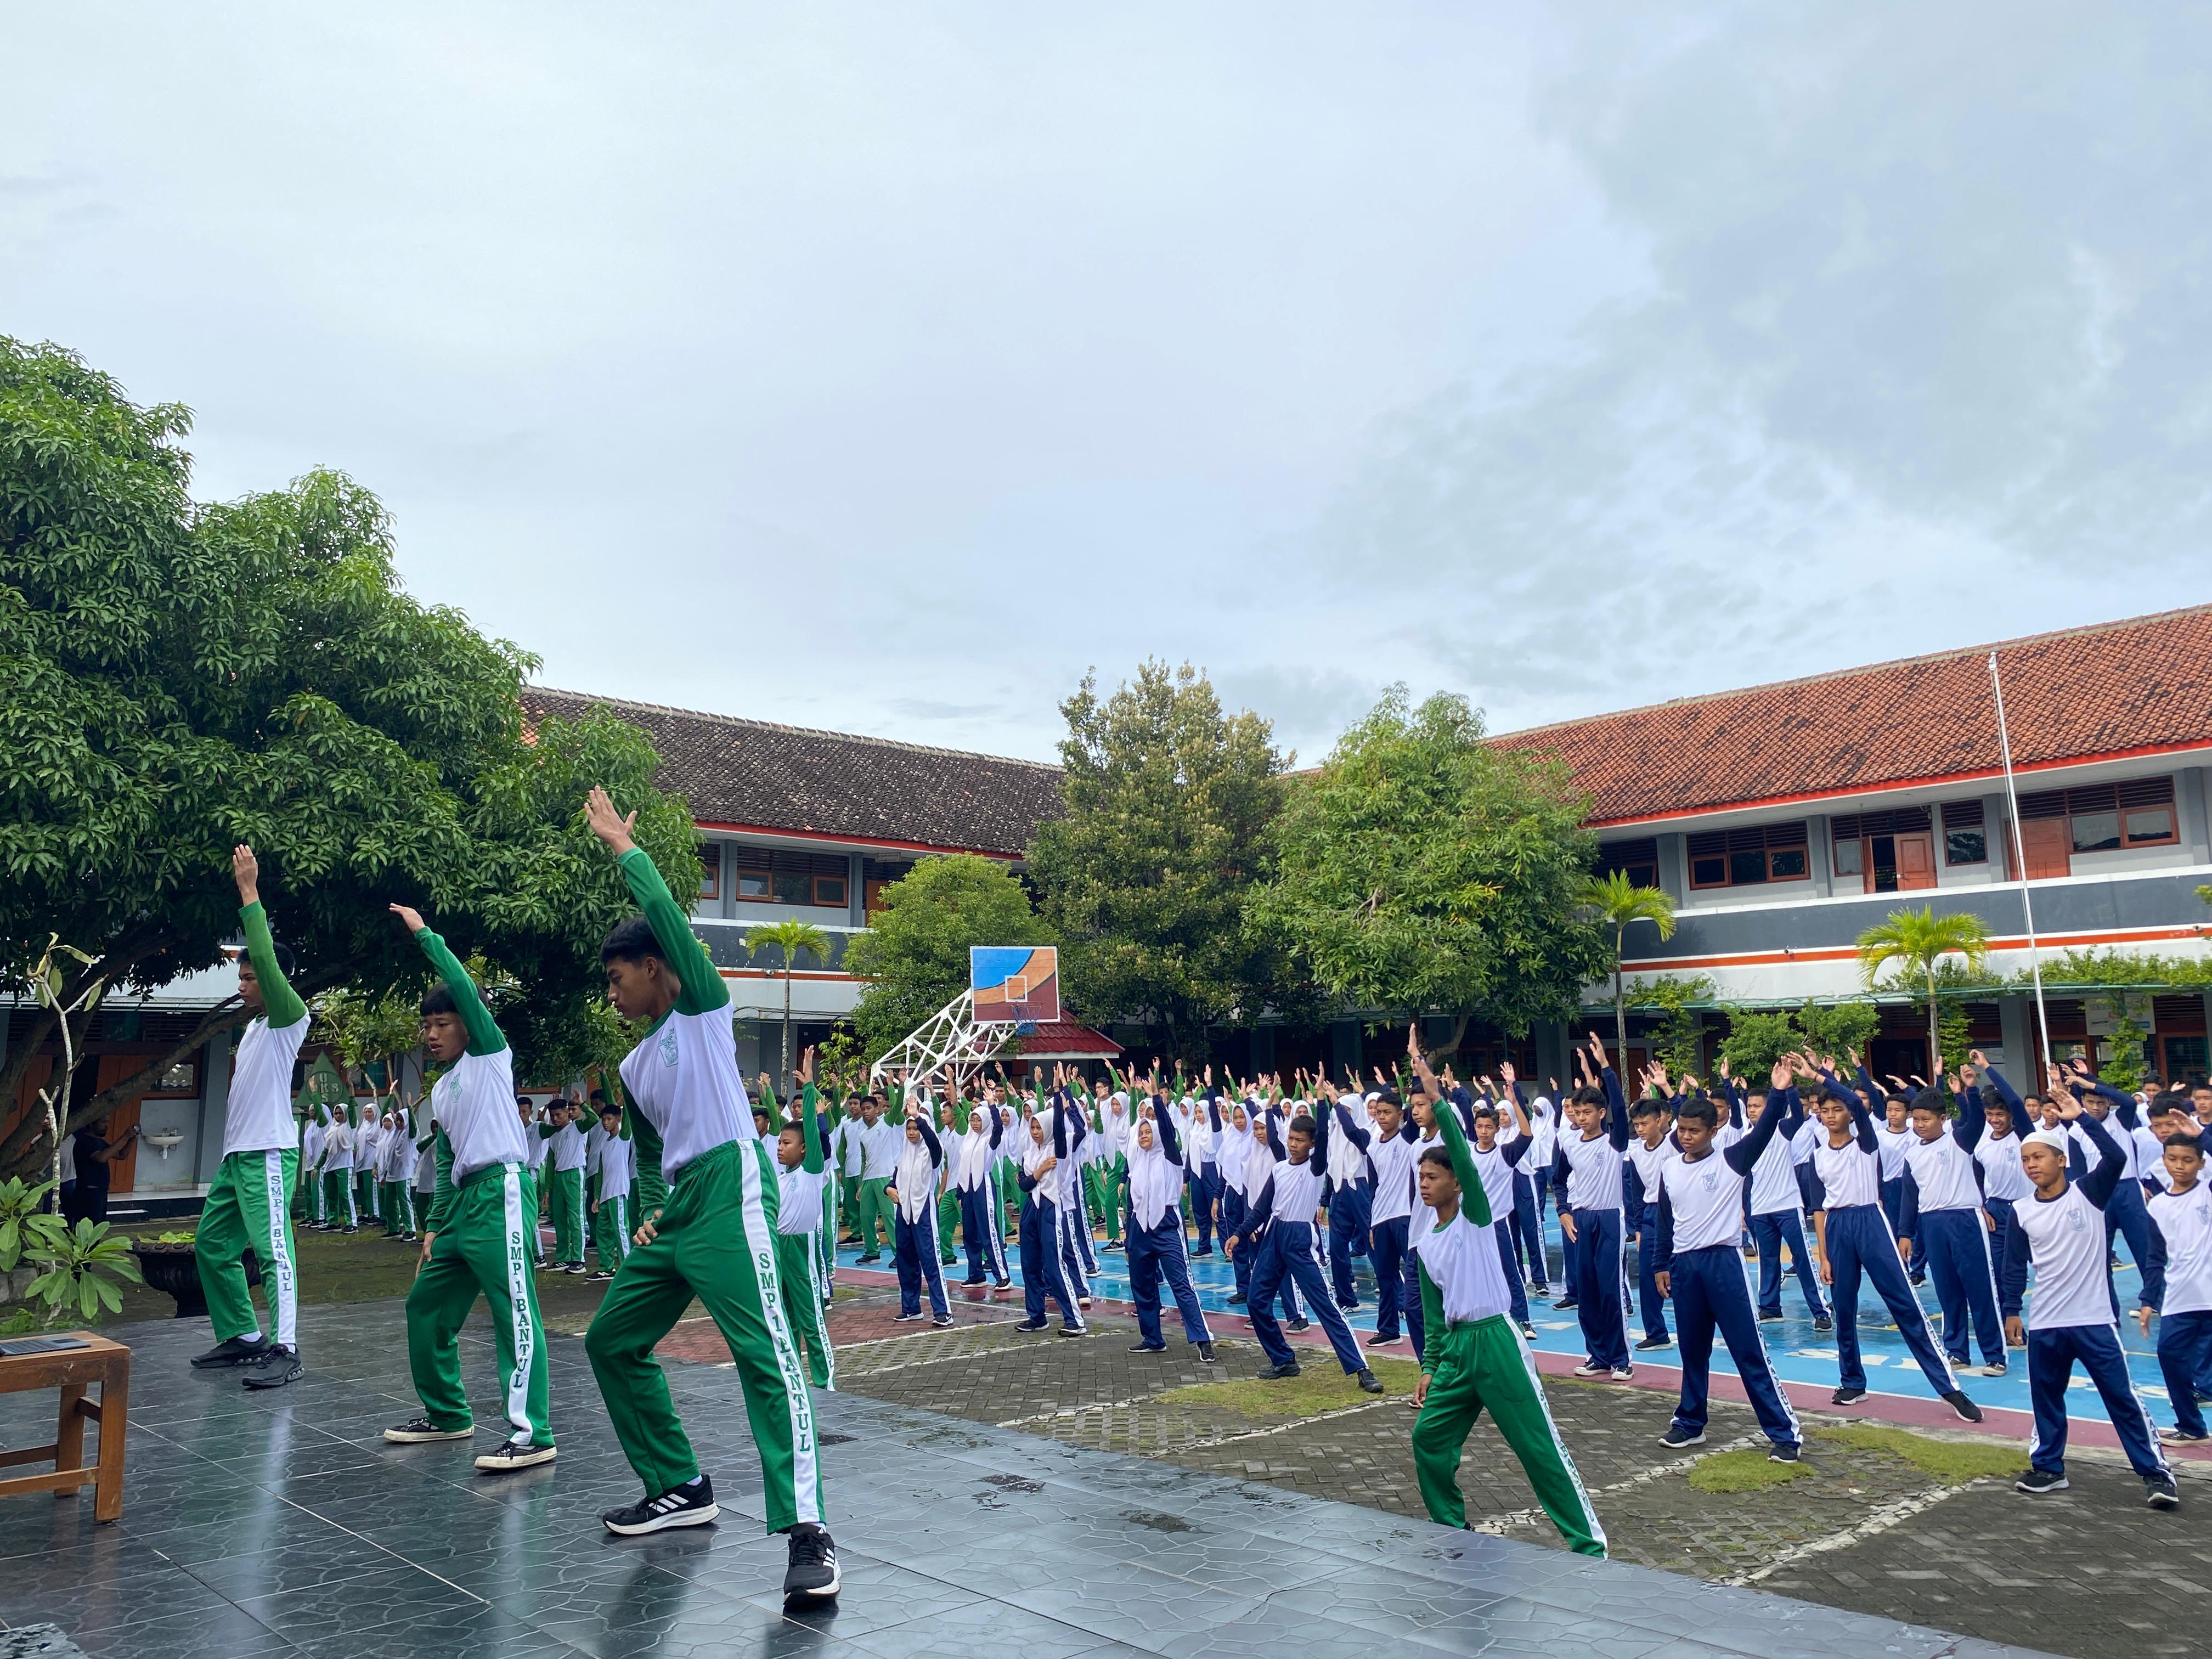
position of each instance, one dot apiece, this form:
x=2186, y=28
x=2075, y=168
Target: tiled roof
x=751, y=774
x=1063, y=1038
x=2141, y=686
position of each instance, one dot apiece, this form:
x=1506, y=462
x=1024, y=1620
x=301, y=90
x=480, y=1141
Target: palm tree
x=1917, y=941
x=791, y=938
x=1618, y=902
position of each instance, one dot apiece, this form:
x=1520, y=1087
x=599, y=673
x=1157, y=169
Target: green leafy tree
x=1756, y=1040
x=1839, y=1028
x=789, y=938
x=913, y=958
x=1679, y=1041
x=2124, y=1067
x=1618, y=904
x=1168, y=805
x=1917, y=941
x=181, y=676
x=1423, y=870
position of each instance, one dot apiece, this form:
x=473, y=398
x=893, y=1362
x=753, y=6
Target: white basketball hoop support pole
x=952, y=1046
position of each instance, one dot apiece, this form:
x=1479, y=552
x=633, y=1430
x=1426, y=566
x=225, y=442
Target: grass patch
x=1316, y=1389
x=1954, y=1462
x=1743, y=1470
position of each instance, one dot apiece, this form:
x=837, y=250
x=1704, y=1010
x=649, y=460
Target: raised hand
x=245, y=869
x=608, y=826
x=409, y=918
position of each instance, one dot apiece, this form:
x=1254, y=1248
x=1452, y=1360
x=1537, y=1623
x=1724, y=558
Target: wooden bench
x=72, y=1370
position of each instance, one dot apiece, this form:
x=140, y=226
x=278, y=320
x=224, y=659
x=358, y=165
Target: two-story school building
x=1785, y=819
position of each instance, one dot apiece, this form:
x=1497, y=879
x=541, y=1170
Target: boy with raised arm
x=714, y=1239
x=1701, y=1217
x=474, y=1244
x=1471, y=1358
x=2178, y=1278
x=802, y=1189
x=2060, y=1233
x=249, y=1202
x=1588, y=1161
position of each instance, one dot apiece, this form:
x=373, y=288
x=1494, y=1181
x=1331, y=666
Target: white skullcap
x=2054, y=1139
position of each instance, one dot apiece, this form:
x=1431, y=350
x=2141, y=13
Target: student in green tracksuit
x=714, y=1239
x=610, y=1207
x=802, y=1189
x=474, y=1244
x=948, y=1202
x=1472, y=1357
x=249, y=1202
x=564, y=1135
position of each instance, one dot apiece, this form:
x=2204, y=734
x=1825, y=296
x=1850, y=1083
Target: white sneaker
x=516, y=1454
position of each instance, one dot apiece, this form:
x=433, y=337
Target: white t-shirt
x=684, y=1078
x=258, y=1116
x=474, y=1103
x=2184, y=1226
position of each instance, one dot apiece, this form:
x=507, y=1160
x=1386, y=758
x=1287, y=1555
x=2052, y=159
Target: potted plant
x=18, y=1205
x=78, y=1267
x=169, y=1263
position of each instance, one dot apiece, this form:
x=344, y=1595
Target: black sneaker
x=1822, y=1323
x=1205, y=1353
x=417, y=1429
x=1650, y=1342
x=1030, y=1325
x=598, y=1277
x=680, y=1506
x=1678, y=1436
x=1967, y=1410
x=1369, y=1382
x=1379, y=1341
x=278, y=1366
x=1847, y=1396
x=1149, y=1347
x=1237, y=1300
x=1783, y=1451
x=2036, y=1482
x=1767, y=1318
x=1277, y=1373
x=1073, y=1330
x=812, y=1574
x=2160, y=1493
x=1297, y=1324
x=237, y=1351
x=1565, y=1305
x=2179, y=1437
x=943, y=1322
x=520, y=1453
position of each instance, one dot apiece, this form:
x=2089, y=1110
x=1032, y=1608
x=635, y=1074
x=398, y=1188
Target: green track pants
x=715, y=1240
x=1486, y=1364
x=871, y=1216
x=482, y=1250
x=338, y=1198
x=611, y=1231
x=246, y=1210
x=396, y=1217
x=849, y=1199
x=564, y=1201
x=795, y=1276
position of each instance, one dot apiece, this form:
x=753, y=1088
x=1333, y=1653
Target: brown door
x=1916, y=862
x=2047, y=845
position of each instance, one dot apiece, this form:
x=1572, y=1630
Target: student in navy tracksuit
x=1700, y=1211
x=1039, y=1179
x=1350, y=1203
x=913, y=1193
x=2124, y=1215
x=975, y=1176
x=1279, y=1224
x=1391, y=1150
x=1855, y=1240
x=1586, y=1173
x=2071, y=1322
x=1155, y=1232
x=1942, y=1222
x=1652, y=1145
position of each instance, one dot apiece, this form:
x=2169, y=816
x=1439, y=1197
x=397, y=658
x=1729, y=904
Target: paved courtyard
x=996, y=1490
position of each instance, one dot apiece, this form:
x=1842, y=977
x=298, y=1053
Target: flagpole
x=2019, y=863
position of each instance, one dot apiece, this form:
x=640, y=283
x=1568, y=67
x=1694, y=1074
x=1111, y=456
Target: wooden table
x=72, y=1370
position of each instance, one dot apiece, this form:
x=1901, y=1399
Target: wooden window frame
x=1776, y=841
x=1968, y=815
x=710, y=864
x=844, y=899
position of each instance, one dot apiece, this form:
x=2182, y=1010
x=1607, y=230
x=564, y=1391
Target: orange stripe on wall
x=1848, y=953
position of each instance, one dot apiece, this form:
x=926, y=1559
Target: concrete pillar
x=1674, y=867
x=856, y=890
x=215, y=1106
x=2016, y=1018
x=1816, y=840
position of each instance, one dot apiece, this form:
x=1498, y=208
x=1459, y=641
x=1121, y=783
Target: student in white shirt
x=2178, y=1278
x=2060, y=1233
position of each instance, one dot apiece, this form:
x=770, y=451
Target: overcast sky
x=883, y=368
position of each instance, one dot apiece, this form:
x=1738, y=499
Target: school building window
x=2099, y=818
x=763, y=877
x=1891, y=852
x=1965, y=839
x=1749, y=858
x=1636, y=860
x=710, y=872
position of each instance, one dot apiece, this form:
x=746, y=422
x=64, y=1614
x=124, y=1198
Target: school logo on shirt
x=1712, y=1180
x=2075, y=1221
x=668, y=1046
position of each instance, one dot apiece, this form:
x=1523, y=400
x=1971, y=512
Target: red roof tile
x=1061, y=1038
x=2142, y=686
